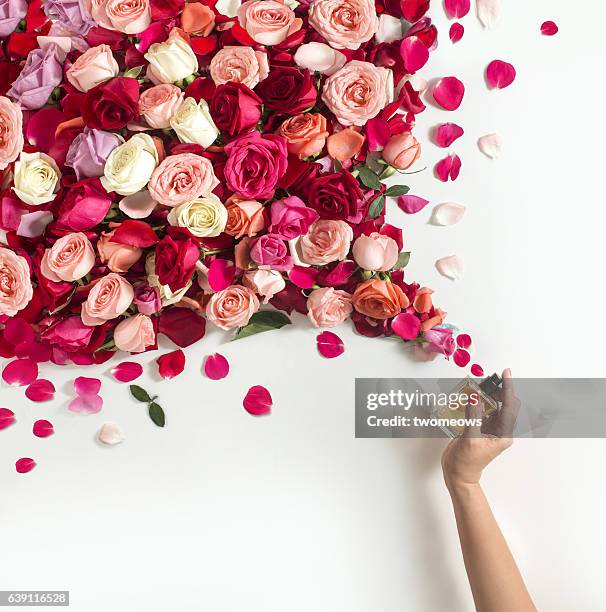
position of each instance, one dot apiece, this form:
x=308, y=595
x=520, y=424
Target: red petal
x=447, y=133
x=257, y=401
x=464, y=341
x=36, y=351
x=411, y=204
x=549, y=28
x=500, y=74
x=406, y=326
x=449, y=92
x=329, y=345
x=43, y=429
x=216, y=366
x=7, y=418
x=182, y=325
x=221, y=273
x=41, y=127
x=414, y=54
x=171, y=364
x=25, y=465
x=20, y=372
x=448, y=168
x=461, y=357
x=456, y=9
x=304, y=278
x=40, y=390
x=127, y=371
x=135, y=233
x=477, y=370
x=17, y=331
x=87, y=386
x=86, y=404
x=456, y=32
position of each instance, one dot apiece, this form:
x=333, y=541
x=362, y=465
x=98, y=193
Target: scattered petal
x=182, y=325
x=171, y=364
x=257, y=401
x=414, y=54
x=488, y=12
x=449, y=92
x=86, y=404
x=406, y=325
x=450, y=267
x=20, y=372
x=455, y=9
x=464, y=341
x=221, y=273
x=303, y=277
x=549, y=28
x=25, y=465
x=329, y=345
x=447, y=133
x=216, y=366
x=490, y=145
x=461, y=357
x=40, y=390
x=345, y=144
x=411, y=204
x=127, y=371
x=456, y=32
x=447, y=213
x=17, y=331
x=477, y=370
x=43, y=429
x=87, y=386
x=110, y=434
x=448, y=168
x=500, y=74
x=36, y=351
x=7, y=418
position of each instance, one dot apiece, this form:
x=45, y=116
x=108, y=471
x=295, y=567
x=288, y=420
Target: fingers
x=510, y=408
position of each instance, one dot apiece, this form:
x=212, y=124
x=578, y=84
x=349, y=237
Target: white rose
x=36, y=178
x=129, y=166
x=167, y=296
x=204, y=217
x=171, y=60
x=193, y=123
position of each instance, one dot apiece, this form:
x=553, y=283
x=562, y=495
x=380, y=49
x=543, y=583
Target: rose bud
x=118, y=257
x=147, y=299
x=375, y=252
x=402, y=151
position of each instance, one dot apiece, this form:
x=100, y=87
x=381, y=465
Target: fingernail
x=507, y=373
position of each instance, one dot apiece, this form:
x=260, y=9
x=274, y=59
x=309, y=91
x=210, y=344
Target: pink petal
x=488, y=12
x=20, y=372
x=7, y=418
x=449, y=92
x=406, y=326
x=87, y=386
x=451, y=267
x=447, y=213
x=500, y=74
x=36, y=351
x=464, y=341
x=304, y=278
x=138, y=205
x=221, y=273
x=477, y=370
x=411, y=204
x=110, y=434
x=127, y=371
x=40, y=390
x=461, y=357
x=25, y=465
x=330, y=345
x=257, y=401
x=456, y=32
x=490, y=145
x=32, y=225
x=377, y=133
x=216, y=366
x=17, y=331
x=43, y=429
x=549, y=28
x=448, y=168
x=456, y=9
x=447, y=133
x=414, y=54
x=86, y=404
x=171, y=364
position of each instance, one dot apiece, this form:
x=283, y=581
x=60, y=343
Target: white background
x=224, y=512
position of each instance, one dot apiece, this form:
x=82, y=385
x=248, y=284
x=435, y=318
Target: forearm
x=495, y=580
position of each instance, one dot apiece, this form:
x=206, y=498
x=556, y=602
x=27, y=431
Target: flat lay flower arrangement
x=166, y=165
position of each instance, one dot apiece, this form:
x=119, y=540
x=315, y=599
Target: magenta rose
x=85, y=205
x=337, y=196
x=147, y=299
x=69, y=334
x=291, y=218
x=270, y=251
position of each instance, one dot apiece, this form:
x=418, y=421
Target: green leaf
x=376, y=207
x=403, y=259
x=369, y=178
x=156, y=414
x=139, y=393
x=133, y=73
x=263, y=321
x=397, y=190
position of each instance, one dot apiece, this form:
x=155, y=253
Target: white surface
x=224, y=512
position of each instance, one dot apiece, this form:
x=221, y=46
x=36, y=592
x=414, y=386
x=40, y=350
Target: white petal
x=389, y=30
x=138, y=205
x=229, y=8
x=490, y=145
x=450, y=267
x=111, y=434
x=319, y=57
x=447, y=213
x=488, y=12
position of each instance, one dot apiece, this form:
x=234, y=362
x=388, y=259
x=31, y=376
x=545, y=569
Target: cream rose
x=15, y=283
x=193, y=123
x=109, y=298
x=171, y=60
x=239, y=65
x=159, y=104
x=11, y=131
x=36, y=178
x=69, y=259
x=167, y=296
x=203, y=217
x=94, y=66
x=130, y=166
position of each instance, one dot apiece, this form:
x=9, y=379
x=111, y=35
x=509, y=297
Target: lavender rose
x=71, y=14
x=11, y=13
x=89, y=150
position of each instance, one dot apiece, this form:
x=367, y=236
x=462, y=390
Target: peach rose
x=94, y=66
x=264, y=282
x=345, y=144
x=423, y=302
x=375, y=252
x=437, y=319
x=305, y=133
x=328, y=307
x=108, y=299
x=268, y=22
x=344, y=24
x=358, y=92
x=232, y=307
x=118, y=257
x=379, y=299
x=69, y=259
x=159, y=104
x=244, y=217
x=11, y=131
x=239, y=65
x=402, y=151
x=127, y=16
x=197, y=19
x=135, y=334
x=182, y=178
x=15, y=284
x=327, y=240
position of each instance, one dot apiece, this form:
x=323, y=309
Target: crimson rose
x=111, y=104
x=176, y=257
x=337, y=196
x=288, y=90
x=235, y=108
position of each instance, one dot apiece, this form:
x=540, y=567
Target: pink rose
x=375, y=252
x=328, y=307
x=182, y=178
x=268, y=22
x=69, y=259
x=290, y=217
x=344, y=24
x=147, y=299
x=232, y=307
x=358, y=92
x=326, y=241
x=127, y=16
x=158, y=104
x=11, y=131
x=440, y=340
x=118, y=257
x=94, y=66
x=108, y=299
x=402, y=151
x=244, y=217
x=15, y=284
x=264, y=282
x=135, y=334
x=270, y=251
x=239, y=65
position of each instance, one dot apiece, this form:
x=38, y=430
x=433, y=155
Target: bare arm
x=495, y=580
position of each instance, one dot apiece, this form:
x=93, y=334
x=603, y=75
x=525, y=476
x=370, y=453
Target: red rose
x=176, y=257
x=288, y=90
x=112, y=104
x=337, y=196
x=235, y=108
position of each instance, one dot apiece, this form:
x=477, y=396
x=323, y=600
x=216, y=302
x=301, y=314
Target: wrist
x=461, y=488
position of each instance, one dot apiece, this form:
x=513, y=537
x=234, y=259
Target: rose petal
x=329, y=345
x=257, y=401
x=411, y=204
x=41, y=127
x=17, y=331
x=406, y=325
x=490, y=145
x=477, y=370
x=20, y=372
x=500, y=74
x=447, y=213
x=414, y=54
x=377, y=133
x=7, y=418
x=464, y=341
x=138, y=205
x=127, y=371
x=25, y=465
x=461, y=357
x=40, y=390
x=456, y=32
x=43, y=429
x=32, y=225
x=448, y=168
x=182, y=325
x=488, y=12
x=171, y=364
x=86, y=404
x=110, y=434
x=450, y=267
x=455, y=9
x=549, y=28
x=305, y=278
x=447, y=133
x=36, y=351
x=449, y=92
x=87, y=386
x=216, y=366
x=135, y=233
x=221, y=273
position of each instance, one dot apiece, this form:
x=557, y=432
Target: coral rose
x=118, y=257
x=244, y=217
x=379, y=299
x=159, y=104
x=239, y=65
x=375, y=252
x=197, y=19
x=328, y=307
x=268, y=22
x=15, y=284
x=326, y=241
x=135, y=334
x=402, y=151
x=69, y=259
x=232, y=307
x=109, y=298
x=11, y=132
x=305, y=134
